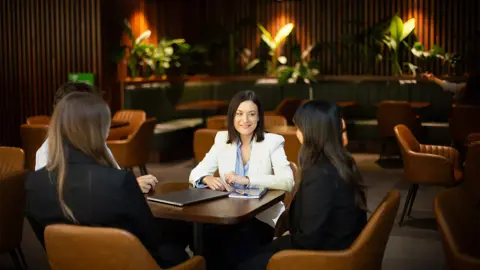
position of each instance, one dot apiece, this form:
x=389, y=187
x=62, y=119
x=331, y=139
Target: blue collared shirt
x=240, y=168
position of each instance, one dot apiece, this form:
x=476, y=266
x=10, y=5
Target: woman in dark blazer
x=81, y=185
x=328, y=211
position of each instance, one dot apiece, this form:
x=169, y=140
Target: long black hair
x=321, y=126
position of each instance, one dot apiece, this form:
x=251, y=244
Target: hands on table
x=147, y=183
x=231, y=178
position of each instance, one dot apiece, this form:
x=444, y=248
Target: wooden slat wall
x=452, y=24
x=42, y=41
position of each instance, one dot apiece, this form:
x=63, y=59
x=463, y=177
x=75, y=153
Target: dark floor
x=416, y=245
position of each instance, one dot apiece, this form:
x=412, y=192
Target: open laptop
x=188, y=196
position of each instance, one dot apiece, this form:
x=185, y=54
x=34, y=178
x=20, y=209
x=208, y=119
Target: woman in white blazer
x=244, y=155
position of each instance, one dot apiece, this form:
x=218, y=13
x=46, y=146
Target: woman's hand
x=214, y=183
x=428, y=76
x=147, y=183
x=233, y=178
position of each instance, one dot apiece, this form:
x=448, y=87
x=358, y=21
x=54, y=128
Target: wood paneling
x=42, y=42
x=452, y=24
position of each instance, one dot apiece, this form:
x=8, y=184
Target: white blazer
x=268, y=167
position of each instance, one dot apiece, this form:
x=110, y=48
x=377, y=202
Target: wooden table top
x=203, y=105
x=219, y=211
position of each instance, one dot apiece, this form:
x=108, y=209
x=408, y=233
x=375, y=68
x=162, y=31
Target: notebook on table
x=248, y=193
x=188, y=196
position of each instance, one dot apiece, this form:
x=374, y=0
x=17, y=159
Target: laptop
x=188, y=196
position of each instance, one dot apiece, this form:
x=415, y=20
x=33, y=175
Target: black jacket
x=97, y=195
x=323, y=214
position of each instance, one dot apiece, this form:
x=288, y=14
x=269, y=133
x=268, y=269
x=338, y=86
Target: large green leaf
x=269, y=42
x=252, y=64
x=267, y=34
x=396, y=28
x=407, y=28
x=283, y=33
x=128, y=29
x=307, y=51
x=284, y=74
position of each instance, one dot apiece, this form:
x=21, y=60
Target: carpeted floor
x=415, y=245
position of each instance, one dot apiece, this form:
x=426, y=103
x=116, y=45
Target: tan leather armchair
x=72, y=247
x=12, y=159
x=458, y=219
x=426, y=165
x=33, y=136
x=12, y=203
x=134, y=118
x=135, y=150
x=289, y=195
x=366, y=253
x=38, y=120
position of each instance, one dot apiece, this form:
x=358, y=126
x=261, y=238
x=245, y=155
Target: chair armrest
x=302, y=259
x=195, y=263
x=450, y=153
x=429, y=169
x=270, y=113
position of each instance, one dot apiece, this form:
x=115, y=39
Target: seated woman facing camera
x=328, y=211
x=81, y=184
x=244, y=155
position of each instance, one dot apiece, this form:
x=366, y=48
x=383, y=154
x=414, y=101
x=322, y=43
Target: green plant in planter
x=139, y=53
x=169, y=54
x=436, y=52
x=303, y=71
x=273, y=45
x=398, y=32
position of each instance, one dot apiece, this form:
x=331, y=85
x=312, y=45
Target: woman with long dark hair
x=329, y=209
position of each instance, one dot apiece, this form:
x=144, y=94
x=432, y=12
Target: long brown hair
x=232, y=110
x=81, y=120
x=321, y=126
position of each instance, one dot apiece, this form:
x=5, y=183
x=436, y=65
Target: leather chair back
x=218, y=122
x=33, y=136
x=203, y=140
x=134, y=117
x=287, y=108
x=12, y=206
x=275, y=121
x=38, y=120
x=458, y=218
x=71, y=247
x=366, y=253
x=12, y=159
x=427, y=164
x=289, y=196
x=391, y=113
x=135, y=150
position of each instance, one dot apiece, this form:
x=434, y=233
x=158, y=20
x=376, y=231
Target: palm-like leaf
x=283, y=33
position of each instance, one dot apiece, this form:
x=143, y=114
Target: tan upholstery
x=38, y=120
x=458, y=218
x=366, y=253
x=287, y=108
x=33, y=136
x=428, y=164
x=219, y=122
x=72, y=247
x=289, y=196
x=12, y=207
x=203, y=140
x=473, y=138
x=391, y=113
x=134, y=118
x=135, y=150
x=291, y=145
x=463, y=121
x=12, y=159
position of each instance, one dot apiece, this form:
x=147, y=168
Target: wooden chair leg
x=143, y=170
x=15, y=259
x=412, y=199
x=20, y=252
x=407, y=202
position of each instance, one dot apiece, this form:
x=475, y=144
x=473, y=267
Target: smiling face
x=246, y=118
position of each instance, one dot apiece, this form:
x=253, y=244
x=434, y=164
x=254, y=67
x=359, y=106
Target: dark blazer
x=97, y=195
x=322, y=215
